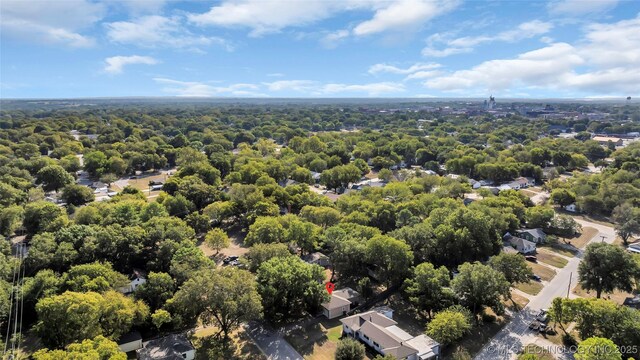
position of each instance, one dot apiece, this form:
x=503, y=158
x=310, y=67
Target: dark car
x=536, y=277
x=535, y=325
x=230, y=259
x=531, y=258
x=543, y=316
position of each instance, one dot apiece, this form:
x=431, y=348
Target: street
x=516, y=334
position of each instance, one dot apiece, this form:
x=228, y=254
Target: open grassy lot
x=317, y=341
x=519, y=300
x=531, y=288
x=544, y=272
x=548, y=258
x=559, y=249
x=617, y=296
x=473, y=342
x=587, y=234
x=528, y=193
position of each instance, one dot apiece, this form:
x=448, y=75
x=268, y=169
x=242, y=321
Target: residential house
x=571, y=208
x=535, y=235
x=317, y=258
x=521, y=245
x=137, y=278
x=525, y=182
x=474, y=184
x=382, y=334
x=170, y=347
x=131, y=341
x=340, y=303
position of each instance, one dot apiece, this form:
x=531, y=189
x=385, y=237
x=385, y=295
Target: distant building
x=571, y=208
x=137, y=278
x=317, y=258
x=604, y=140
x=170, y=347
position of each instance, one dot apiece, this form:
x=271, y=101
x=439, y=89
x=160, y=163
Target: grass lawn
x=617, y=296
x=531, y=288
x=540, y=352
x=556, y=248
x=520, y=301
x=317, y=341
x=587, y=234
x=544, y=272
x=528, y=193
x=548, y=258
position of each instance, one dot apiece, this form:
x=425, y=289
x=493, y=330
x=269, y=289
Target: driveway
x=516, y=334
x=271, y=343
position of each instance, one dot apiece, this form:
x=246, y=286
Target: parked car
x=230, y=259
x=543, y=316
x=531, y=258
x=536, y=277
x=535, y=325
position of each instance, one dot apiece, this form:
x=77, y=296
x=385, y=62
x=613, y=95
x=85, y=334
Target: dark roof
x=170, y=347
x=129, y=337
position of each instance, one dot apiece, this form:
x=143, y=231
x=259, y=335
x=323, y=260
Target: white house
x=174, y=346
x=571, y=207
x=130, y=342
x=382, y=334
x=340, y=303
x=137, y=278
x=522, y=246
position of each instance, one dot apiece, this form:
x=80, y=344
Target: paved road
x=271, y=343
x=516, y=334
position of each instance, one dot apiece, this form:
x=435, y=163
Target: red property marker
x=330, y=286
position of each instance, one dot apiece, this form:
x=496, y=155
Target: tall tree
x=53, y=178
x=513, y=266
x=605, y=268
x=349, y=349
x=450, y=325
x=217, y=240
x=597, y=348
x=98, y=348
x=428, y=289
x=479, y=285
x=391, y=257
x=224, y=297
x=626, y=219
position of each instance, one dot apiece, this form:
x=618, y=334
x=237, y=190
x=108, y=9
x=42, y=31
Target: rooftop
x=170, y=347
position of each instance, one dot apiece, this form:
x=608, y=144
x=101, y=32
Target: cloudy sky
x=320, y=48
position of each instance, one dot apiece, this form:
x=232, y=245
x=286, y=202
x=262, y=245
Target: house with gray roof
x=535, y=235
x=383, y=335
x=170, y=347
x=340, y=303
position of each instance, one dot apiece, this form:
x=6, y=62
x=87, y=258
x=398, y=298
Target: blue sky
x=310, y=48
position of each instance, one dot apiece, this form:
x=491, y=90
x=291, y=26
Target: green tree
x=217, y=240
x=77, y=195
x=562, y=197
x=260, y=253
x=606, y=268
x=108, y=179
x=53, y=178
x=479, y=285
x=41, y=216
x=289, y=286
x=428, y=289
x=158, y=288
x=10, y=219
x=626, y=219
x=96, y=277
x=512, y=266
x=450, y=325
x=597, y=348
x=324, y=216
x=95, y=163
x=224, y=297
x=385, y=175
x=98, y=348
x=349, y=349
x=160, y=317
x=266, y=229
x=391, y=257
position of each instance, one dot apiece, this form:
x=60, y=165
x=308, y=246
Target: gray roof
x=357, y=320
x=537, y=232
x=129, y=337
x=170, y=347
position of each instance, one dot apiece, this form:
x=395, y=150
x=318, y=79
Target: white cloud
x=466, y=44
x=295, y=85
x=332, y=39
x=371, y=89
x=200, y=89
x=115, y=64
x=53, y=22
x=159, y=31
x=580, y=7
x=404, y=14
x=380, y=68
x=420, y=75
x=264, y=17
x=604, y=61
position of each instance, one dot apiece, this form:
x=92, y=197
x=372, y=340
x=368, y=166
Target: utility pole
x=569, y=287
x=603, y=237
